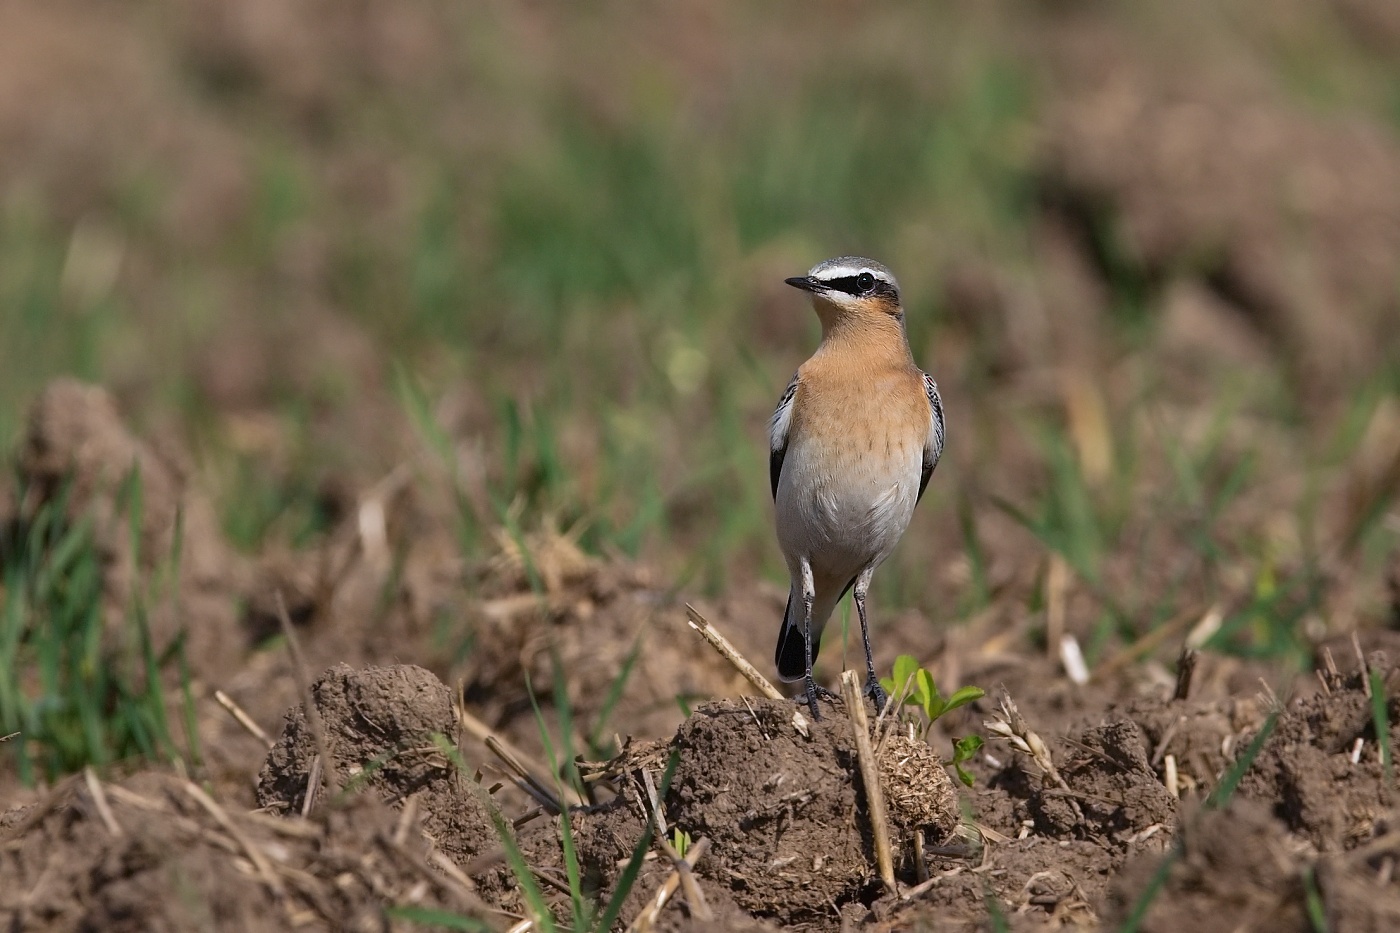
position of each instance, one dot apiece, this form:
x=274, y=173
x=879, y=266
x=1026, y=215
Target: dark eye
x=865, y=282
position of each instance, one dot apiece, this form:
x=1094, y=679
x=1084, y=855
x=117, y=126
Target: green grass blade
x=615, y=689
x=581, y=911
x=1226, y=788
x=628, y=878
x=529, y=887
x=1154, y=887
x=1317, y=910
x=428, y=916
x=1380, y=717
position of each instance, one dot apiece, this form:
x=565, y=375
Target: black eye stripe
x=846, y=283
x=850, y=285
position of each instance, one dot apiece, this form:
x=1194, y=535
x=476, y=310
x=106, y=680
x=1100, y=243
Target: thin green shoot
x=1154, y=887
x=414, y=401
x=428, y=916
x=628, y=878
x=978, y=594
x=1217, y=799
x=1380, y=719
x=1223, y=791
x=540, y=914
x=360, y=779
x=191, y=718
x=996, y=914
x=1312, y=901
x=582, y=912
x=598, y=744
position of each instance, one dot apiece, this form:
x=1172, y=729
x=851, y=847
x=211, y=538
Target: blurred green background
x=1148, y=250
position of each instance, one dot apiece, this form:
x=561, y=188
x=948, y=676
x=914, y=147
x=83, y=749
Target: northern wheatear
x=853, y=443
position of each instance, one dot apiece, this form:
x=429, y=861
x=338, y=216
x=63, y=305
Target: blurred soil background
x=451, y=332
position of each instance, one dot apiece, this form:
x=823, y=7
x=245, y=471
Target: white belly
x=845, y=509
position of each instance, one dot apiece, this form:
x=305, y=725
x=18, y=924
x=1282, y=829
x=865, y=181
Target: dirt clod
x=166, y=863
x=1233, y=872
x=784, y=813
x=918, y=792
x=1306, y=766
x=1113, y=791
x=381, y=727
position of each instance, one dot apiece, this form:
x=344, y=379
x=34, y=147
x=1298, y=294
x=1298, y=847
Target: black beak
x=804, y=282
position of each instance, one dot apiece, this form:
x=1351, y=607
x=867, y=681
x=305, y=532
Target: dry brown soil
x=404, y=738
x=408, y=807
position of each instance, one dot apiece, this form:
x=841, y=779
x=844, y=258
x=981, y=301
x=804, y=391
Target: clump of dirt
x=784, y=811
x=1201, y=738
x=1105, y=789
x=1309, y=829
x=1051, y=842
x=1305, y=768
x=1239, y=868
x=1042, y=883
x=1359, y=895
x=381, y=727
x=605, y=838
x=1234, y=870
x=155, y=853
x=1112, y=791
x=78, y=450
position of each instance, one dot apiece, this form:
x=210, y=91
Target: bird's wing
x=933, y=447
x=778, y=434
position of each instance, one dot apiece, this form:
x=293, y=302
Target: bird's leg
x=872, y=683
x=809, y=596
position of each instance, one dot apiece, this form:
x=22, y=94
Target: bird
x=853, y=442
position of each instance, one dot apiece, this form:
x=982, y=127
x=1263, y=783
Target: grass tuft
x=78, y=692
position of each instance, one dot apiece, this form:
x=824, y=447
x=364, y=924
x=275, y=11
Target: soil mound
x=785, y=811
x=383, y=727
x=155, y=854
x=1306, y=767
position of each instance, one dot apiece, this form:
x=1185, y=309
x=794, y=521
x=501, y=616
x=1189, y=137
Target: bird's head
x=849, y=288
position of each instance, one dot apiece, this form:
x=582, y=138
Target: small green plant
x=680, y=841
x=913, y=685
x=964, y=750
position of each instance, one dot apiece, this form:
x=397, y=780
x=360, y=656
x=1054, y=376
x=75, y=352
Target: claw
x=815, y=692
x=876, y=693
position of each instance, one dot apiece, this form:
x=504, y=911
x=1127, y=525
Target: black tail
x=791, y=656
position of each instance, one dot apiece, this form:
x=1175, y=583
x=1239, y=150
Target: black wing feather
x=778, y=435
x=934, y=448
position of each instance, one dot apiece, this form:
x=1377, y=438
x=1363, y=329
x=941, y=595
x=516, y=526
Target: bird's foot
x=816, y=691
x=876, y=693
